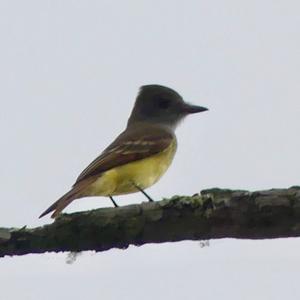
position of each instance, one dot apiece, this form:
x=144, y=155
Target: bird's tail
x=61, y=203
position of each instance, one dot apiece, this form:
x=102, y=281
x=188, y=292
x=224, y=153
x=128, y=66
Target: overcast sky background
x=70, y=71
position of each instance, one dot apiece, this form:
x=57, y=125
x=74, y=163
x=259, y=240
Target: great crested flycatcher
x=140, y=155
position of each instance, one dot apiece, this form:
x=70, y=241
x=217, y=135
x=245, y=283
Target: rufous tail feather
x=61, y=203
x=76, y=192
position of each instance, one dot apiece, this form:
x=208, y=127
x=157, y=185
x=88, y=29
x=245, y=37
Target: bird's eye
x=164, y=103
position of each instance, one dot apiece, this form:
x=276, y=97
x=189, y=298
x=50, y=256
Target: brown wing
x=131, y=145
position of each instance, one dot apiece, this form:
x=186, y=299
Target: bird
x=140, y=155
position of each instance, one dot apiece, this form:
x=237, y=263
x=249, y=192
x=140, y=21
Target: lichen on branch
x=212, y=214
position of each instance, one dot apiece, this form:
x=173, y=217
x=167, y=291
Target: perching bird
x=140, y=155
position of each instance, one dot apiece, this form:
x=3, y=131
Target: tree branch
x=215, y=213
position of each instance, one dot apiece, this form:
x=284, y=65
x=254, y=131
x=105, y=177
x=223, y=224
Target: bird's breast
x=144, y=173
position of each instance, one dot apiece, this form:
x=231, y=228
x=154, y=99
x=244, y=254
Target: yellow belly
x=144, y=173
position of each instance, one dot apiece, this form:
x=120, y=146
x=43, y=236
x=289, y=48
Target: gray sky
x=70, y=71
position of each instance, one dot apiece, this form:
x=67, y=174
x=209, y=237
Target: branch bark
x=212, y=214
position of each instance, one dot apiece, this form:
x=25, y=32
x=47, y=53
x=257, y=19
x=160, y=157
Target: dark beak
x=192, y=109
